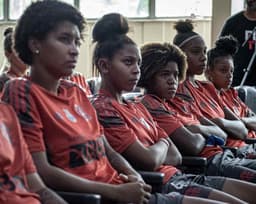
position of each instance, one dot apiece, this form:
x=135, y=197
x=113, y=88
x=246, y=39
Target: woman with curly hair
x=58, y=121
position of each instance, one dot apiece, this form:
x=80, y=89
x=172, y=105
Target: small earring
x=37, y=52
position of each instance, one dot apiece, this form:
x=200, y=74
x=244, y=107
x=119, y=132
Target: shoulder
x=18, y=86
x=103, y=104
x=235, y=17
x=151, y=101
x=207, y=84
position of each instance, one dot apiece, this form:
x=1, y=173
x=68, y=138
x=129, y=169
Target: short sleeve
x=118, y=133
x=164, y=117
x=19, y=95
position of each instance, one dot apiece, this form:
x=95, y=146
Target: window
x=16, y=7
x=129, y=8
x=182, y=8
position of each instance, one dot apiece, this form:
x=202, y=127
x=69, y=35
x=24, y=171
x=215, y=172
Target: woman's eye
x=128, y=62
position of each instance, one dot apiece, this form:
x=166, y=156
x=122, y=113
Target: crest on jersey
x=81, y=112
x=4, y=132
x=69, y=116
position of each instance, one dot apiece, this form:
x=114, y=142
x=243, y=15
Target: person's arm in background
x=207, y=128
x=250, y=120
x=187, y=142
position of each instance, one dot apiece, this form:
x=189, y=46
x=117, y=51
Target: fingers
x=145, y=198
x=147, y=187
x=124, y=177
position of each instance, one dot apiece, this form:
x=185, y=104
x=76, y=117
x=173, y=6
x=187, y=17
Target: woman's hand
x=134, y=192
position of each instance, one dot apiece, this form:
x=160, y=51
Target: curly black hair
x=110, y=35
x=39, y=19
x=155, y=56
x=224, y=46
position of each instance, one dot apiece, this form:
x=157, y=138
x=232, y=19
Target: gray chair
x=248, y=95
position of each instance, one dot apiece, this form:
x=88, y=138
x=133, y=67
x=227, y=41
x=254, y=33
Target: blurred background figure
x=13, y=66
x=243, y=26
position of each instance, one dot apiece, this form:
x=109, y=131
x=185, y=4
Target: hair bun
x=8, y=31
x=184, y=26
x=229, y=44
x=109, y=26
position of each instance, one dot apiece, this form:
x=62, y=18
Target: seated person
x=20, y=182
x=162, y=66
x=15, y=67
x=203, y=94
x=129, y=127
x=58, y=122
x=220, y=69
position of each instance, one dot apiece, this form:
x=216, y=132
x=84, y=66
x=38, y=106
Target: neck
x=113, y=92
x=44, y=79
x=250, y=14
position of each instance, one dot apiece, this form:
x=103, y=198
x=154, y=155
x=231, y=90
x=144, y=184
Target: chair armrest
x=193, y=165
x=79, y=198
x=250, y=140
x=155, y=179
x=152, y=177
x=194, y=161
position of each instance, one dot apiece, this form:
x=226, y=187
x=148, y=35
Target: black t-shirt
x=241, y=28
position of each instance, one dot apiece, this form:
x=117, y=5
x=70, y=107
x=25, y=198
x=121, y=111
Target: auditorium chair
x=80, y=198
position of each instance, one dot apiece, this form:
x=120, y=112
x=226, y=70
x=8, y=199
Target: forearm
x=61, y=180
x=173, y=157
x=250, y=122
x=120, y=164
x=47, y=196
x=158, y=152
x=213, y=130
x=192, y=148
x=233, y=127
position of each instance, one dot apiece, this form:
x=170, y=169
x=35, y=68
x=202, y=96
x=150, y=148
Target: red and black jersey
x=79, y=79
x=206, y=98
x=63, y=125
x=233, y=102
x=15, y=161
x=125, y=123
x=170, y=119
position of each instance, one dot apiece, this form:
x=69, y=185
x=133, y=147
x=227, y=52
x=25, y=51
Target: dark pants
x=227, y=165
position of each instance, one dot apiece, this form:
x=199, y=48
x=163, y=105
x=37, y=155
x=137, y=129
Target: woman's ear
x=103, y=65
x=34, y=46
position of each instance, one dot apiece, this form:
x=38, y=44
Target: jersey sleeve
x=19, y=95
x=119, y=135
x=164, y=117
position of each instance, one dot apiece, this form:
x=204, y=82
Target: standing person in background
x=241, y=26
x=15, y=67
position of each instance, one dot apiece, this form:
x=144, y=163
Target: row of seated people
x=131, y=130
x=62, y=131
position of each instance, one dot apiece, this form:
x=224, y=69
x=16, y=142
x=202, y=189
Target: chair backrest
x=94, y=84
x=248, y=95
